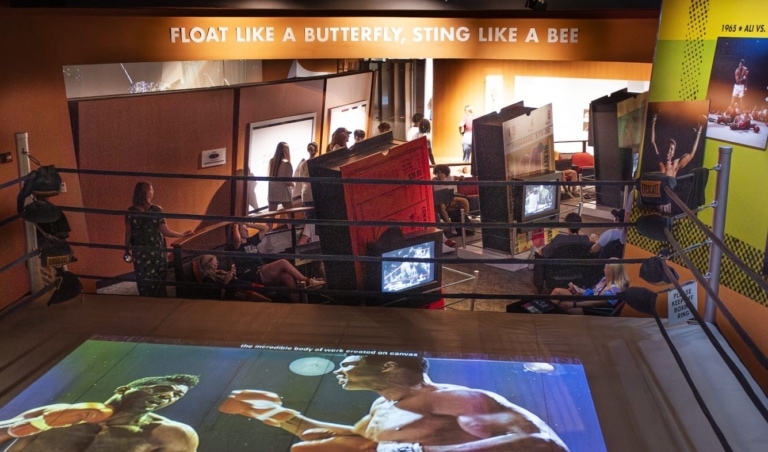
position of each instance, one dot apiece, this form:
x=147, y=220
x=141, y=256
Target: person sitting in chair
x=614, y=282
x=610, y=235
x=279, y=273
x=572, y=236
x=443, y=173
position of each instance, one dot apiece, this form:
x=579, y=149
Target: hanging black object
x=653, y=226
x=67, y=287
x=42, y=183
x=652, y=270
x=653, y=188
x=41, y=211
x=56, y=253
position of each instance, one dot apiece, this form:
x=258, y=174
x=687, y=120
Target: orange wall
x=461, y=82
x=159, y=133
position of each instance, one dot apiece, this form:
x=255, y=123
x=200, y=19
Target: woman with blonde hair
x=614, y=282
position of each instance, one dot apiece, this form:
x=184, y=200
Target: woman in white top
x=304, y=188
x=280, y=192
x=425, y=130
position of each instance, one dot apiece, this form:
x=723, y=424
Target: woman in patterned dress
x=145, y=241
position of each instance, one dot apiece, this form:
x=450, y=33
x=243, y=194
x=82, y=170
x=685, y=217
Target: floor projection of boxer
x=412, y=414
x=124, y=423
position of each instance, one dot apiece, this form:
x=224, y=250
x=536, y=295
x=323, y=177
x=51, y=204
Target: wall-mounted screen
x=297, y=131
x=234, y=397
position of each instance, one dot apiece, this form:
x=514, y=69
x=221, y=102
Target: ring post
x=718, y=228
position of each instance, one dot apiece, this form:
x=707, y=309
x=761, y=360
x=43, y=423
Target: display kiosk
x=516, y=144
x=378, y=158
x=614, y=153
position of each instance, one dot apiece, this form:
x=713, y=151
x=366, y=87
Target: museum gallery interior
x=301, y=289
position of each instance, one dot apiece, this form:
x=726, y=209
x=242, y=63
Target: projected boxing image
x=129, y=396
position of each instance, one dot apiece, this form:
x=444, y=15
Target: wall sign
x=213, y=157
x=678, y=311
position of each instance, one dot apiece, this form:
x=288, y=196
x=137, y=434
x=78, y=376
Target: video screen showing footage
x=125, y=396
x=539, y=198
x=398, y=276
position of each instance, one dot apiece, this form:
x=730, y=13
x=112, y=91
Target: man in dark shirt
x=572, y=236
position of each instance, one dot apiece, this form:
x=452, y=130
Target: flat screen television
x=536, y=201
x=392, y=275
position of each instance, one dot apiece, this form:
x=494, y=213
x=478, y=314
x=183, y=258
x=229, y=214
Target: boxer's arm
x=337, y=444
x=55, y=416
x=267, y=407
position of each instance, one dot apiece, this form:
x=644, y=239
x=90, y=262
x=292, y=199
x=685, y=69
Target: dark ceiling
x=454, y=8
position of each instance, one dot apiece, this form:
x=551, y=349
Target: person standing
x=425, y=130
x=465, y=129
x=145, y=241
x=359, y=135
x=339, y=140
x=413, y=131
x=304, y=188
x=280, y=192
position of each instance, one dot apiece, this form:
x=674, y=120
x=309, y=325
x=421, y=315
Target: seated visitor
x=572, y=236
x=570, y=191
x=614, y=282
x=611, y=234
x=217, y=282
x=459, y=201
x=279, y=273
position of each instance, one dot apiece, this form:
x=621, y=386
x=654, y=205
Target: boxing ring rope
x=292, y=221
x=711, y=285
x=714, y=237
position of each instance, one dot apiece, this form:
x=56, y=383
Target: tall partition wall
x=613, y=160
x=172, y=133
x=512, y=144
x=379, y=157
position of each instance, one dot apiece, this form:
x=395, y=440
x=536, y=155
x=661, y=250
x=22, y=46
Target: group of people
x=146, y=229
x=615, y=280
x=458, y=202
x=411, y=414
x=422, y=127
x=145, y=247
